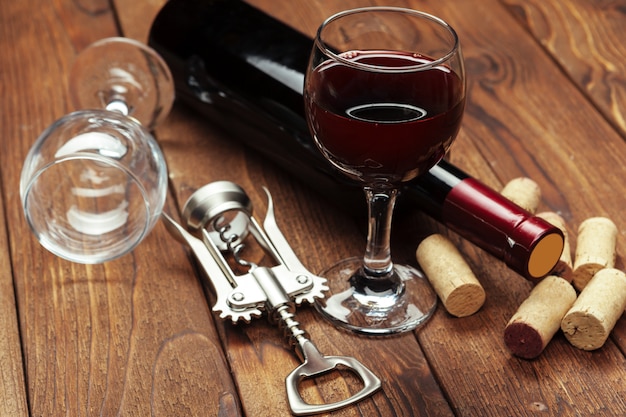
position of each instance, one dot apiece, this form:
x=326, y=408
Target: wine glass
x=384, y=98
x=94, y=183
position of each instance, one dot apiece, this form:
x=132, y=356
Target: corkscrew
x=221, y=214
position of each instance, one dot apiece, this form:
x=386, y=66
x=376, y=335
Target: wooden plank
x=15, y=28
x=13, y=400
x=134, y=336
x=585, y=38
x=12, y=386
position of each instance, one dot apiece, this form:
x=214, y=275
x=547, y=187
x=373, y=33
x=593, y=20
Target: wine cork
x=564, y=267
x=538, y=318
x=524, y=192
x=451, y=277
x=595, y=249
x=589, y=322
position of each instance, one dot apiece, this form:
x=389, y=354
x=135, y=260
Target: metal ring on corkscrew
x=218, y=219
x=220, y=207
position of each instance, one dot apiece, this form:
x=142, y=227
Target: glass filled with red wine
x=384, y=98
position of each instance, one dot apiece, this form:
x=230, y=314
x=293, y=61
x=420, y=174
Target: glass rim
x=379, y=68
x=92, y=250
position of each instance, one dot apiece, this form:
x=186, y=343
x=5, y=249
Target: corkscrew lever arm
x=283, y=249
x=242, y=295
x=223, y=283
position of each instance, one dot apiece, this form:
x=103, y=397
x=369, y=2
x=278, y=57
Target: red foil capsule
x=526, y=243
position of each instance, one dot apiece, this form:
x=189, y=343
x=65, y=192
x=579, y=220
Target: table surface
x=136, y=336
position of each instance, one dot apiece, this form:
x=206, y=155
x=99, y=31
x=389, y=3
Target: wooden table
x=136, y=336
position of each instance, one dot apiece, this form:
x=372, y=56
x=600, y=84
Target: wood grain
x=137, y=337
x=585, y=39
x=504, y=127
x=13, y=400
x=130, y=337
x=513, y=121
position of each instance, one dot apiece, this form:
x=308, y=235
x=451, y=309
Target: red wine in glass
x=395, y=133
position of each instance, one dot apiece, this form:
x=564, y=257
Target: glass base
x=123, y=74
x=398, y=302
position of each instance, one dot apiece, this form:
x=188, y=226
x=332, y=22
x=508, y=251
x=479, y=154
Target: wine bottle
x=244, y=71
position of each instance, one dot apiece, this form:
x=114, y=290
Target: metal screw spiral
x=233, y=242
x=285, y=316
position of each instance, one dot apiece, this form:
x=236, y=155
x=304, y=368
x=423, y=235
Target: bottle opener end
x=316, y=365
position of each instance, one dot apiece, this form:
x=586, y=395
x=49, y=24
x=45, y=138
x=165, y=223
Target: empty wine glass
x=94, y=183
x=384, y=99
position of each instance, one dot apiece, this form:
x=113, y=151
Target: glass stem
x=118, y=105
x=377, y=259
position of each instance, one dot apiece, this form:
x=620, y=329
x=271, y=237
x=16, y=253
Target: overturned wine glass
x=94, y=183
